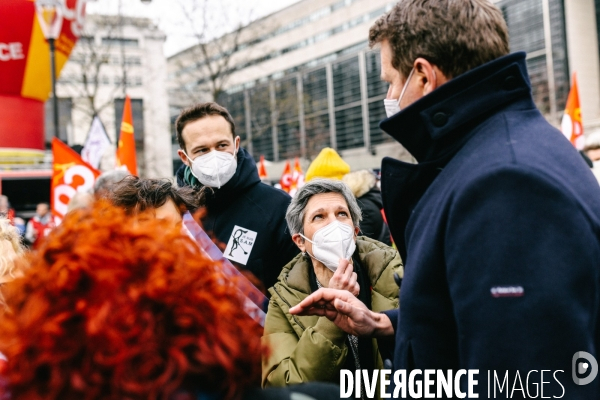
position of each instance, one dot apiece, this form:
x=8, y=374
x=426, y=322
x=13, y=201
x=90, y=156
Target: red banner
x=70, y=175
x=126, y=147
x=286, y=177
x=572, y=124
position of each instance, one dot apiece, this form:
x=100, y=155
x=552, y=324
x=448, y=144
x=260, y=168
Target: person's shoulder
x=504, y=185
x=375, y=256
x=381, y=262
x=285, y=270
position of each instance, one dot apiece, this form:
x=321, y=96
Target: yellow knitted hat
x=328, y=164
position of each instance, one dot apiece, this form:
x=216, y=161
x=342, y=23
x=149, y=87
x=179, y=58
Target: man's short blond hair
x=454, y=35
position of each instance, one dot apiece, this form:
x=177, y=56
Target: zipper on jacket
x=289, y=306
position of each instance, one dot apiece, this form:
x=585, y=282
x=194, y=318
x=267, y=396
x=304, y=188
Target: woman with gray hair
x=323, y=219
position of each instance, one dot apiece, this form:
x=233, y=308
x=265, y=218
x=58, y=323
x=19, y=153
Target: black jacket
x=372, y=224
x=251, y=205
x=499, y=227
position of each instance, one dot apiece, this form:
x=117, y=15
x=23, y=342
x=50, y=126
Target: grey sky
x=168, y=15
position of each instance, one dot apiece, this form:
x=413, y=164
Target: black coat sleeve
x=523, y=261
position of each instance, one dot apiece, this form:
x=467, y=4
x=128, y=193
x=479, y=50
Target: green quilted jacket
x=312, y=348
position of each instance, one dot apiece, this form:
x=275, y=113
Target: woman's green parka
x=312, y=348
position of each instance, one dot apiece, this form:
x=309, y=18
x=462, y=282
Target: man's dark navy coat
x=498, y=225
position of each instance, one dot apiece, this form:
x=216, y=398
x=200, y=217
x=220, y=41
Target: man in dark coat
x=498, y=223
x=243, y=213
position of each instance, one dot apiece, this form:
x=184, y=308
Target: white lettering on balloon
x=11, y=51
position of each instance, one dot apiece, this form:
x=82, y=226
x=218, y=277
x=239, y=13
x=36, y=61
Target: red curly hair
x=114, y=307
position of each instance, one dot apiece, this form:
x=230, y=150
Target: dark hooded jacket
x=373, y=224
x=253, y=206
x=499, y=227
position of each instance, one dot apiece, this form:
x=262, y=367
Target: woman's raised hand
x=345, y=278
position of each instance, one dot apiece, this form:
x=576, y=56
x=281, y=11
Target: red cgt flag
x=126, y=147
x=70, y=175
x=297, y=178
x=262, y=171
x=571, y=125
x=286, y=178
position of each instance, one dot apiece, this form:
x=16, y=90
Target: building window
x=87, y=40
x=376, y=92
x=111, y=41
x=260, y=111
x=133, y=61
x=525, y=22
x=349, y=128
x=316, y=109
x=286, y=116
x=234, y=103
x=346, y=98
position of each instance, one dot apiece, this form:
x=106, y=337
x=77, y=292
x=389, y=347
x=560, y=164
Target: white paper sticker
x=240, y=245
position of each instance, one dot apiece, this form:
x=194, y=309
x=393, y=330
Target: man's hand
x=346, y=311
x=345, y=278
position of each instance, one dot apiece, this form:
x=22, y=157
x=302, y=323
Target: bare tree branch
x=206, y=67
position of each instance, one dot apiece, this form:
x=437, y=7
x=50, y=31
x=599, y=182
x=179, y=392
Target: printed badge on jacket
x=240, y=245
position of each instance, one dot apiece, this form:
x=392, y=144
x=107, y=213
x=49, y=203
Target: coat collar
x=427, y=128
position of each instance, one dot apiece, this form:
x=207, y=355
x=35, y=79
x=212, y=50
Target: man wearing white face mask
x=323, y=219
x=243, y=213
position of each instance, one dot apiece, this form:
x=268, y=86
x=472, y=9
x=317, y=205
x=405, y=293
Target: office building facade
x=117, y=56
x=311, y=81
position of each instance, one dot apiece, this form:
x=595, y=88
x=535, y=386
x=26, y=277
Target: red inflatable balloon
x=25, y=82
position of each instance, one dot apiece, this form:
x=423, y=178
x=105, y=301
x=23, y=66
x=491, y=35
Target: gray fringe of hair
x=297, y=208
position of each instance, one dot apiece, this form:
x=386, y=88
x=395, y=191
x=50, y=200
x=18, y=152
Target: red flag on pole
x=262, y=171
x=70, y=175
x=571, y=125
x=286, y=178
x=126, y=147
x=297, y=177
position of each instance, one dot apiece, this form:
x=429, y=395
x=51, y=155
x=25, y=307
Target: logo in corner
x=580, y=368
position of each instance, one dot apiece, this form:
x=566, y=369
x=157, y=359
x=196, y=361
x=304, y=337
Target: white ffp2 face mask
x=331, y=243
x=392, y=106
x=214, y=169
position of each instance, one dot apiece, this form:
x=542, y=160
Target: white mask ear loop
x=188, y=157
x=306, y=251
x=404, y=88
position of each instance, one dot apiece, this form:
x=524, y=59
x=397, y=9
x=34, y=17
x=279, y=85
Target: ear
x=299, y=240
x=426, y=75
x=237, y=142
x=356, y=231
x=183, y=157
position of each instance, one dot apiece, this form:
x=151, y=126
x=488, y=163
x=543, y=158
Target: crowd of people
x=482, y=256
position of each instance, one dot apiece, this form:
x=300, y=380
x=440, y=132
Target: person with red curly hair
x=107, y=310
